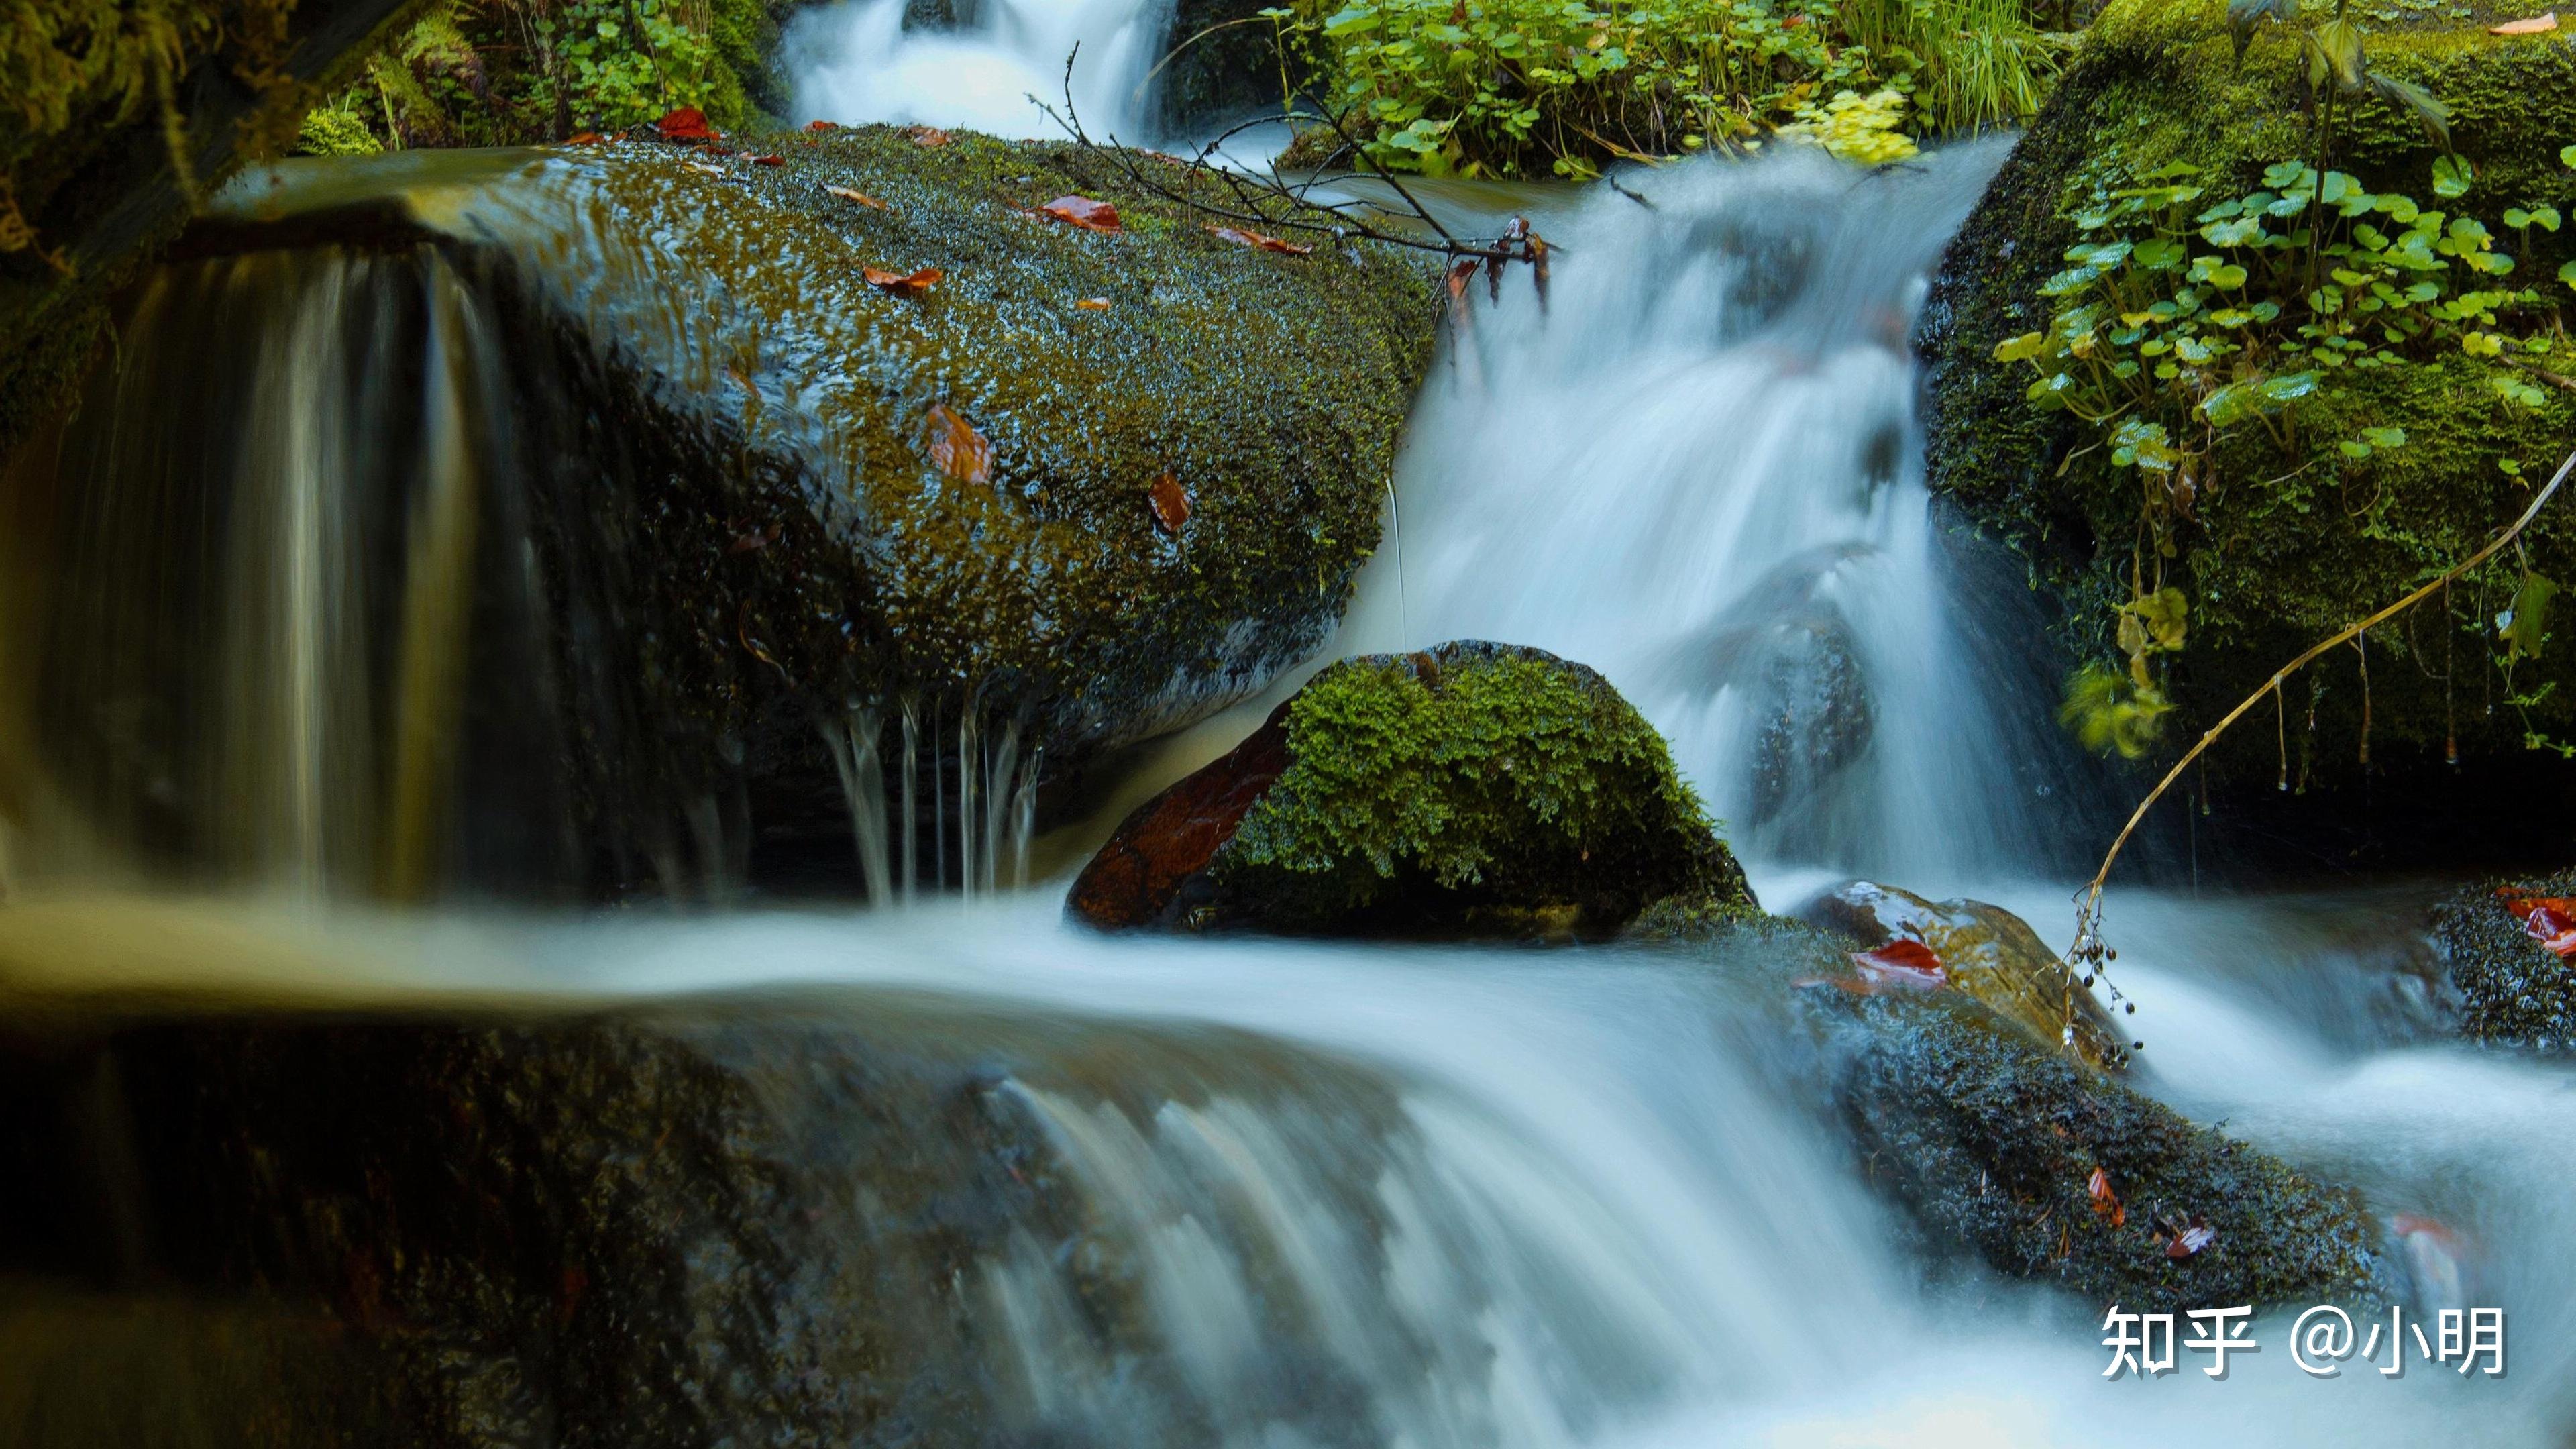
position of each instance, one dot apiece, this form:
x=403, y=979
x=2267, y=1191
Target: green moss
x=2288, y=544
x=1481, y=776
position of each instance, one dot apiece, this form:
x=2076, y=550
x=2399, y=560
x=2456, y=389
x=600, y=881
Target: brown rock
x=1988, y=953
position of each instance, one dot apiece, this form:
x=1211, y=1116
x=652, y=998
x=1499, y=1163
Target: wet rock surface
x=1474, y=788
x=1987, y=1135
x=1985, y=951
x=756, y=531
x=2511, y=990
x=746, y=1225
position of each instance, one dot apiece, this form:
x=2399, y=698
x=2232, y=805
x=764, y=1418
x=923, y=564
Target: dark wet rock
x=1991, y=1141
x=1987, y=1139
x=1225, y=64
x=1987, y=952
x=1474, y=788
x=1817, y=720
x=2511, y=990
x=721, y=551
x=739, y=1226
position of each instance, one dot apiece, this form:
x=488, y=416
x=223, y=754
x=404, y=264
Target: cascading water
x=978, y=64
x=1293, y=1193
x=1696, y=468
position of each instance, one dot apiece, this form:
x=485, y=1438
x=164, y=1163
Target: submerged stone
x=1987, y=952
x=1473, y=788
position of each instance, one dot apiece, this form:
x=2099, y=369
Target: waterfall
x=267, y=562
x=1696, y=467
x=975, y=63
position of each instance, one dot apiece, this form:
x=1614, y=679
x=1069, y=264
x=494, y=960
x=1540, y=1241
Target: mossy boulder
x=1987, y=1134
x=1473, y=788
x=2287, y=541
x=2511, y=990
x=758, y=515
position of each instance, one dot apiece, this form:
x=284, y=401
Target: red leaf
x=754, y=540
x=819, y=127
x=1171, y=503
x=956, y=449
x=768, y=160
x=903, y=284
x=688, y=123
x=1902, y=963
x=2550, y=920
x=1255, y=239
x=584, y=138
x=2536, y=25
x=861, y=197
x=927, y=135
x=1083, y=212
x=2191, y=1240
x=2106, y=1203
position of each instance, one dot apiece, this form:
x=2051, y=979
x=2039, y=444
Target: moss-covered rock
x=1988, y=1133
x=751, y=511
x=2289, y=543
x=1475, y=787
x=2512, y=990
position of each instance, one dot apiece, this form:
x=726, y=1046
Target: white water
x=1698, y=470
x=1606, y=1211
x=857, y=61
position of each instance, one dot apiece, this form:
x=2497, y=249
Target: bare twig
x=1266, y=200
x=2088, y=948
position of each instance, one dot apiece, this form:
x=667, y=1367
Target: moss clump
x=1471, y=780
x=2287, y=541
x=2513, y=991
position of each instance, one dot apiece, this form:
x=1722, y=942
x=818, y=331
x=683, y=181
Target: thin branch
x=2088, y=915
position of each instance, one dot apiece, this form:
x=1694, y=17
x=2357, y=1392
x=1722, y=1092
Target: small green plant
x=1521, y=87
x=2185, y=319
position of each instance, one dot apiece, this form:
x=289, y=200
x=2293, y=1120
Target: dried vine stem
x=2088, y=946
x=1267, y=200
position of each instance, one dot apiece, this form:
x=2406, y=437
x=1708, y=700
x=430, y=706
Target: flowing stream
x=1458, y=1197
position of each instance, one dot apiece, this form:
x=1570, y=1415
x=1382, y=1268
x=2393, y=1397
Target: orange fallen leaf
x=903, y=284
x=768, y=160
x=2106, y=1203
x=2550, y=920
x=956, y=449
x=2191, y=1240
x=1171, y=502
x=861, y=197
x=1083, y=212
x=1902, y=963
x=584, y=138
x=927, y=136
x=819, y=127
x=1093, y=304
x=1243, y=238
x=2536, y=25
x=688, y=123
